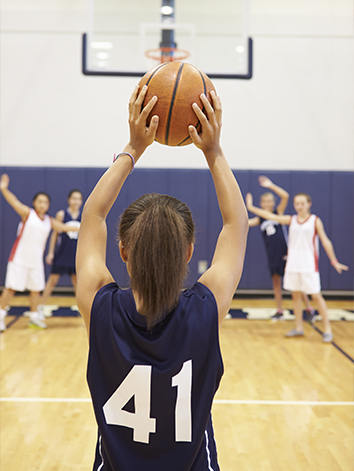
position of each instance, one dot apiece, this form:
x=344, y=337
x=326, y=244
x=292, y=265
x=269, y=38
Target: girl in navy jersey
x=154, y=362
x=62, y=246
x=301, y=270
x=25, y=268
x=275, y=241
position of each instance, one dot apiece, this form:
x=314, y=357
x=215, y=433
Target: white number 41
x=138, y=384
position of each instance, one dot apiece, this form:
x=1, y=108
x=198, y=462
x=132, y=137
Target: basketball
x=177, y=85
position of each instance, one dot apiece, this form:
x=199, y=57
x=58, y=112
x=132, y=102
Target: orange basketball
x=177, y=85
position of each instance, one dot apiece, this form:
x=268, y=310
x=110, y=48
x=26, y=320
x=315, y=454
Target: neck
x=139, y=304
x=74, y=212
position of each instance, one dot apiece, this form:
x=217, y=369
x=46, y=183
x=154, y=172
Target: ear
x=123, y=252
x=190, y=252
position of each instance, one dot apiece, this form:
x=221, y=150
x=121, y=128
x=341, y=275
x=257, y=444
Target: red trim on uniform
x=315, y=248
x=41, y=218
x=14, y=247
x=303, y=222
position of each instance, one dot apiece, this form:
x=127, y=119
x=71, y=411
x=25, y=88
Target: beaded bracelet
x=115, y=157
x=334, y=262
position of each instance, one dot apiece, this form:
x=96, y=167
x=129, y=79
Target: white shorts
x=20, y=278
x=308, y=283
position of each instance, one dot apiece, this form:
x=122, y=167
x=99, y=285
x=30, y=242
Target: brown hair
x=308, y=197
x=156, y=230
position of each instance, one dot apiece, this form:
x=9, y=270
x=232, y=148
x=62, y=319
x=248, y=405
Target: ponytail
x=157, y=231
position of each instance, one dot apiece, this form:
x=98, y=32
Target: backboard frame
x=134, y=73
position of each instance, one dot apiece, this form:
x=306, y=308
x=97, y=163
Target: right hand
x=49, y=259
x=141, y=135
x=209, y=139
x=4, y=181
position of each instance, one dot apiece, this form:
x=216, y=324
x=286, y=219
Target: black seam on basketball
x=158, y=68
x=172, y=102
x=205, y=93
x=149, y=79
x=188, y=137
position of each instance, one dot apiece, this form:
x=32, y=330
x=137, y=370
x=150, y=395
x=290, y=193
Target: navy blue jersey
x=152, y=391
x=65, y=252
x=275, y=242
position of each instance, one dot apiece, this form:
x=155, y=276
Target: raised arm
x=225, y=271
x=283, y=194
x=20, y=208
x=53, y=238
x=92, y=272
x=263, y=213
x=328, y=246
x=253, y=222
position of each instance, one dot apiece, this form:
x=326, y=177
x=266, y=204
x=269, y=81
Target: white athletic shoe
x=3, y=313
x=40, y=310
x=36, y=322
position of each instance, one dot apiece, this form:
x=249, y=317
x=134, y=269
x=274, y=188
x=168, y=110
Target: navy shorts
x=278, y=270
x=61, y=270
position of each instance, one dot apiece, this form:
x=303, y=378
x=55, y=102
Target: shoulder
x=200, y=295
x=104, y=294
x=199, y=290
x=60, y=215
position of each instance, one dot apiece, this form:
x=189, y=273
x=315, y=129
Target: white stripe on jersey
x=207, y=451
x=100, y=450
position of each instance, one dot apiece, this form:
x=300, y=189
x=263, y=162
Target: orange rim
x=157, y=54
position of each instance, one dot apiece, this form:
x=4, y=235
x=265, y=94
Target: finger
x=216, y=100
x=193, y=133
x=133, y=97
x=137, y=104
x=139, y=101
x=147, y=109
x=152, y=129
x=200, y=115
x=209, y=110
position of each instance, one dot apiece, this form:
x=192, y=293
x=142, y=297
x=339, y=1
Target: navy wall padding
x=332, y=195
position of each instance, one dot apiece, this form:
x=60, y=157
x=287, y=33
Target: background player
x=274, y=237
x=301, y=270
x=153, y=338
x=25, y=268
x=62, y=247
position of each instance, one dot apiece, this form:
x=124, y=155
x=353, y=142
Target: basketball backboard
x=127, y=38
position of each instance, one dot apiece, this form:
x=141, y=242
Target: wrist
x=128, y=157
x=334, y=262
x=136, y=152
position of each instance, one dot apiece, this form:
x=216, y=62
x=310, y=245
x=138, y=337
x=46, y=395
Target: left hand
x=141, y=135
x=249, y=200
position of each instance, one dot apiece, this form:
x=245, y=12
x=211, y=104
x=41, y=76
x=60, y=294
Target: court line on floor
x=11, y=323
x=216, y=401
x=334, y=344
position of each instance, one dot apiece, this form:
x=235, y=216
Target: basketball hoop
x=167, y=54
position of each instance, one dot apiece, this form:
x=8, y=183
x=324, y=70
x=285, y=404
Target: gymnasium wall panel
x=332, y=194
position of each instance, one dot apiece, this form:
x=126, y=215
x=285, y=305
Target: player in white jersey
x=301, y=270
x=25, y=269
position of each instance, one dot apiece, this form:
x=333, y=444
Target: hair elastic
x=115, y=157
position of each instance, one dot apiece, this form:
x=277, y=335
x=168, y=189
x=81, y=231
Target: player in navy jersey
x=275, y=241
x=62, y=247
x=302, y=270
x=154, y=360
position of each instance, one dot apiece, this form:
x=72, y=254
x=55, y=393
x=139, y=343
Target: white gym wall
x=295, y=113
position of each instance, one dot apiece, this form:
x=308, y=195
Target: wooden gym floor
x=283, y=404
